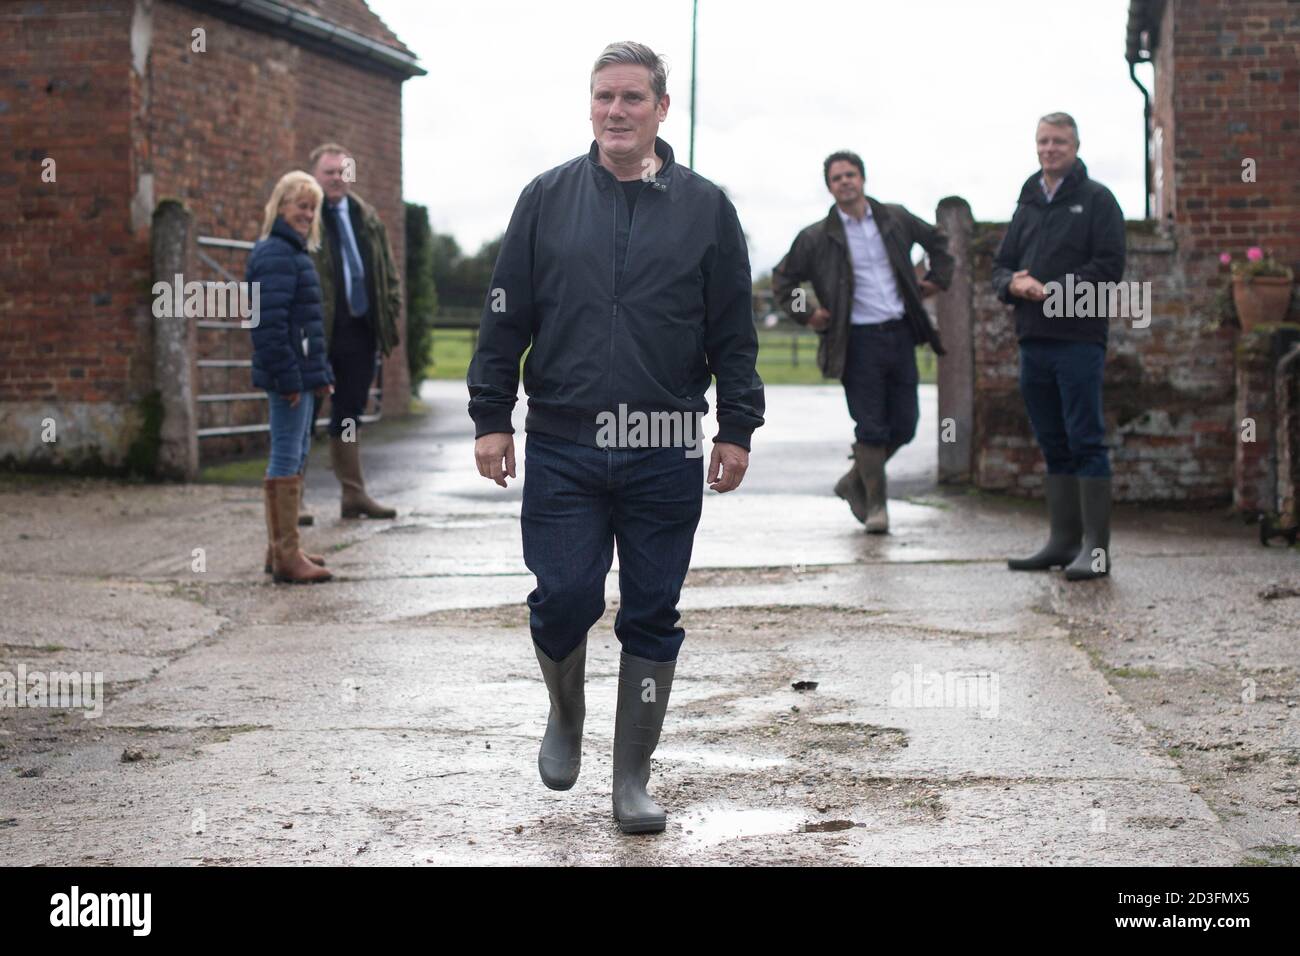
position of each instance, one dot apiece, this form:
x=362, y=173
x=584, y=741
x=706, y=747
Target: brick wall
x=73, y=341
x=1227, y=88
x=111, y=90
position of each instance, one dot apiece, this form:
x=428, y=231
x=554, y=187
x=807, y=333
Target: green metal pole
x=695, y=12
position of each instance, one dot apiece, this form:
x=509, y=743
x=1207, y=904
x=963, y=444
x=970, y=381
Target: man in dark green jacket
x=361, y=293
x=870, y=319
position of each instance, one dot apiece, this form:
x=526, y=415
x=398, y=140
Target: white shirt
x=875, y=290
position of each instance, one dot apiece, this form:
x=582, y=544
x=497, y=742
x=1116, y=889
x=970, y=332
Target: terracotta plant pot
x=1260, y=300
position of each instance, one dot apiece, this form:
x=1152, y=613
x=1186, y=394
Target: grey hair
x=636, y=54
x=1062, y=119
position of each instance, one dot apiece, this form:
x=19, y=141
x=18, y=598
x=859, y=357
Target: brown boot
x=870, y=460
x=346, y=458
x=270, y=540
x=305, y=518
x=288, y=563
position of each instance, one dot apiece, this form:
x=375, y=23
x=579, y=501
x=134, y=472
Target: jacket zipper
x=613, y=319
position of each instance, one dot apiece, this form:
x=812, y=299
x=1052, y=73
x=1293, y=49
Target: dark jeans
x=353, y=358
x=880, y=380
x=1061, y=385
x=580, y=501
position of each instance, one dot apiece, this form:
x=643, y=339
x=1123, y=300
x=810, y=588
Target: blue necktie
x=357, y=301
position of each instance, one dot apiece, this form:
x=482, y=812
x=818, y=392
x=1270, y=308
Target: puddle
x=720, y=759
x=710, y=825
x=829, y=826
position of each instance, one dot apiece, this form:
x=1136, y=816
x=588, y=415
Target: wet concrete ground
x=962, y=713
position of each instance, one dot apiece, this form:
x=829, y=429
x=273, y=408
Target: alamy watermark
x=78, y=690
x=1098, y=300
x=208, y=300
x=964, y=690
x=636, y=429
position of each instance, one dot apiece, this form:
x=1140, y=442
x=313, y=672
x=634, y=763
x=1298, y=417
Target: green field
x=784, y=358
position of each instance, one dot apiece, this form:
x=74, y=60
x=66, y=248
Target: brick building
x=110, y=107
x=1226, y=89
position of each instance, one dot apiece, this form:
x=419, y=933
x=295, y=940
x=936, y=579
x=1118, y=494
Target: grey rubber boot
x=1066, y=527
x=1093, y=560
x=643, y=689
x=849, y=487
x=560, y=756
x=870, y=460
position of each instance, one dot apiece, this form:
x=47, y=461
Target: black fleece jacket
x=1081, y=231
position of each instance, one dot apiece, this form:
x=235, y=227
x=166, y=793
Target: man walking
x=628, y=276
x=870, y=319
x=1065, y=225
x=361, y=293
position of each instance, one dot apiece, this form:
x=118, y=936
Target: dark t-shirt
x=632, y=190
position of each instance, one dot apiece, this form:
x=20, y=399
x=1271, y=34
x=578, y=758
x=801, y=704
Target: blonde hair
x=289, y=188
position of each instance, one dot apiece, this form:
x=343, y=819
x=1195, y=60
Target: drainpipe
x=1146, y=136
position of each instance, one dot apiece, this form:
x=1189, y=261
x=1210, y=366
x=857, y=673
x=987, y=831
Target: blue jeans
x=290, y=434
x=580, y=501
x=880, y=380
x=1060, y=382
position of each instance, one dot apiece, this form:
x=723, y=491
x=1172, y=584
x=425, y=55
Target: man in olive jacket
x=870, y=319
x=361, y=293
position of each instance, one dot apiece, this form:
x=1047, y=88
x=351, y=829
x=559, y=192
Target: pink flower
x=1254, y=253
x=1225, y=257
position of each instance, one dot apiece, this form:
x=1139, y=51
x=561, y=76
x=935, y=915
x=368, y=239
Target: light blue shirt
x=346, y=222
x=1049, y=193
x=875, y=290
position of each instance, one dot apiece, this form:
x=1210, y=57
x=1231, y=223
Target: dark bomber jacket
x=1081, y=231
x=642, y=310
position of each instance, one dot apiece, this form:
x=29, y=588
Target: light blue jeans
x=290, y=434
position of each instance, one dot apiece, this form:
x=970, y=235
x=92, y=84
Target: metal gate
x=226, y=408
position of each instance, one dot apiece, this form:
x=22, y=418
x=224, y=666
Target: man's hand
x=293, y=399
x=818, y=321
x=727, y=466
x=1026, y=286
x=928, y=288
x=494, y=454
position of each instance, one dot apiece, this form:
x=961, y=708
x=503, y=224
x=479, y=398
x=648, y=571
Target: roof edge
x=314, y=33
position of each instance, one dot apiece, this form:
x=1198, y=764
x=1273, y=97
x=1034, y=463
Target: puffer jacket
x=289, y=337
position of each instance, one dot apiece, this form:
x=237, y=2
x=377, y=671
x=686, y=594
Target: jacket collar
x=604, y=178
x=285, y=231
x=835, y=225
x=1032, y=190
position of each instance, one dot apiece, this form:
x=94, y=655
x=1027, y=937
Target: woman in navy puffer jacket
x=289, y=361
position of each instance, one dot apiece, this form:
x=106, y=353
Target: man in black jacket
x=628, y=276
x=869, y=318
x=1067, y=233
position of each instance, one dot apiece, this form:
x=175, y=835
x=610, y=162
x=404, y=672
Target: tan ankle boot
x=346, y=458
x=288, y=563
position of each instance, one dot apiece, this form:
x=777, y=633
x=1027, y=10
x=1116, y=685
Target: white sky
x=940, y=97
